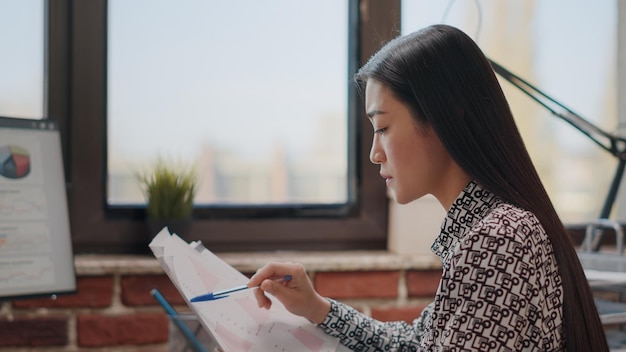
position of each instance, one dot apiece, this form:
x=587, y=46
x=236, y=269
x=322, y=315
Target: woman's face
x=412, y=159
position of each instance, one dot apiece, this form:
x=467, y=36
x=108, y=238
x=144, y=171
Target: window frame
x=77, y=46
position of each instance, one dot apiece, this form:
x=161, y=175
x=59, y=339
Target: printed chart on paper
x=236, y=321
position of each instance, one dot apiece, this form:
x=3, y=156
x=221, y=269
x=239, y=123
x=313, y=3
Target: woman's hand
x=297, y=294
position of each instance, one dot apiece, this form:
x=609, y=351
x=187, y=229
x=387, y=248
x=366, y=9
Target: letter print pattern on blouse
x=500, y=287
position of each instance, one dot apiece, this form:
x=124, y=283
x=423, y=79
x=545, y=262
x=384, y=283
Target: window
x=567, y=49
x=34, y=65
x=22, y=62
x=72, y=89
x=364, y=226
x=260, y=111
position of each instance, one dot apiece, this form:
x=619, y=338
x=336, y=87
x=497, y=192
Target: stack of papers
x=236, y=323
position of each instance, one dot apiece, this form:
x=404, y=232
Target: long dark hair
x=447, y=82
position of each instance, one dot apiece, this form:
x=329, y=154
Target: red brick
x=93, y=292
x=423, y=283
x=135, y=329
x=42, y=331
x=408, y=313
x=136, y=290
x=366, y=284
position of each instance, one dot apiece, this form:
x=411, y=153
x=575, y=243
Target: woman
x=511, y=278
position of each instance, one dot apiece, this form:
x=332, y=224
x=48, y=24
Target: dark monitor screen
x=36, y=256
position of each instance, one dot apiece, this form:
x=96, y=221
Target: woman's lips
x=387, y=178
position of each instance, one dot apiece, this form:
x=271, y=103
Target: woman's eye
x=380, y=130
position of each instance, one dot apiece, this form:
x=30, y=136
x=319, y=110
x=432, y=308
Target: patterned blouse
x=500, y=289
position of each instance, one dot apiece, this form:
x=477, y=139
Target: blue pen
x=223, y=294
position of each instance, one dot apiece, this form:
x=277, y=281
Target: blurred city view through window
x=22, y=63
x=252, y=94
x=567, y=49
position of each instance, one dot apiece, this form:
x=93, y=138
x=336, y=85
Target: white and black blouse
x=500, y=288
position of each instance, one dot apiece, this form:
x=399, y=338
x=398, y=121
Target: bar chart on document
x=236, y=322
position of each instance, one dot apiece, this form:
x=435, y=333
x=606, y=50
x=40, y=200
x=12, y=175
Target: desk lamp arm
x=607, y=141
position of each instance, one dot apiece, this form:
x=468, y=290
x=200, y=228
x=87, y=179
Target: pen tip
x=209, y=297
x=202, y=298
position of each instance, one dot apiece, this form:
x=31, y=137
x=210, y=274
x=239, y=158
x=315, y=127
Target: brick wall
x=117, y=312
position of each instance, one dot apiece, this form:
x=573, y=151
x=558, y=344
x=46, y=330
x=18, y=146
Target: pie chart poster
x=35, y=243
x=14, y=161
x=20, y=161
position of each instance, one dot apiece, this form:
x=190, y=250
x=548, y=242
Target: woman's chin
x=402, y=199
x=399, y=199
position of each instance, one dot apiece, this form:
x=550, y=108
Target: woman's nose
x=376, y=153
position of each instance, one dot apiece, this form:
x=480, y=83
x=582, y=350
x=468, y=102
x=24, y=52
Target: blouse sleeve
x=359, y=332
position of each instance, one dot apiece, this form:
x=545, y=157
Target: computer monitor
x=36, y=256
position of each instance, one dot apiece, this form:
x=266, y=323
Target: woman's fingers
x=292, y=293
x=271, y=271
x=297, y=294
x=261, y=299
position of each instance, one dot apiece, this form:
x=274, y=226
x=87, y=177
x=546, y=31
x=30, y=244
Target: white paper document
x=236, y=323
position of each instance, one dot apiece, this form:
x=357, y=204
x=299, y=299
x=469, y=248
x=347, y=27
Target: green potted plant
x=169, y=191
